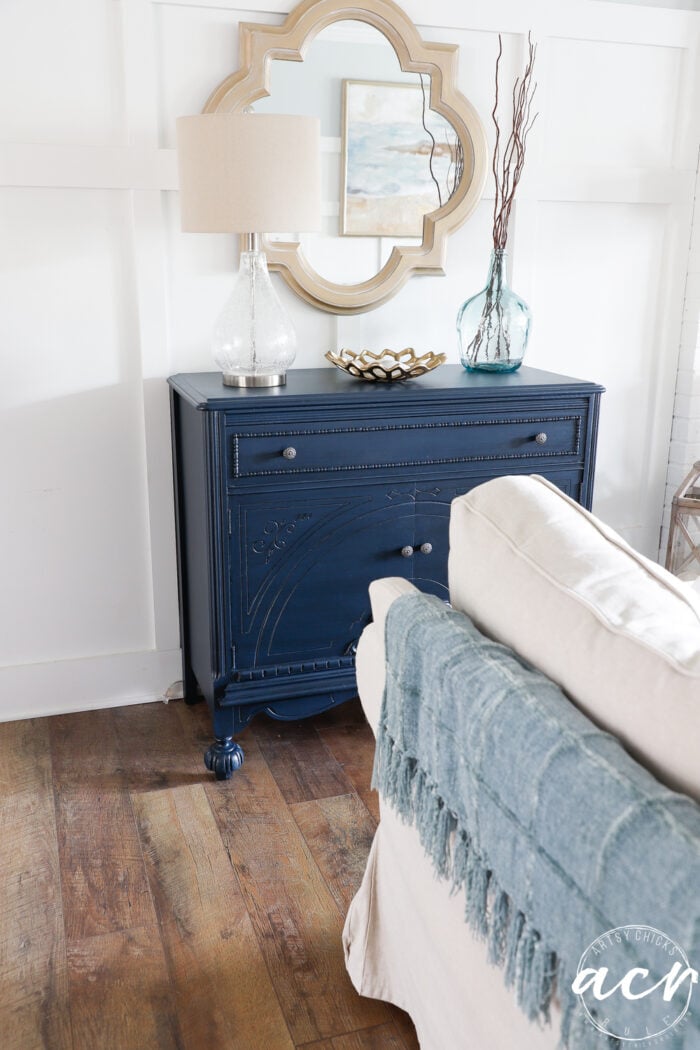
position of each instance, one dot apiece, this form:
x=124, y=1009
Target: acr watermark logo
x=637, y=1004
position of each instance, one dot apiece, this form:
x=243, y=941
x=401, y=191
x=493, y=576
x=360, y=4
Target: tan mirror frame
x=259, y=45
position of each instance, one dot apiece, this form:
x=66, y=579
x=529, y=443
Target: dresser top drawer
x=397, y=444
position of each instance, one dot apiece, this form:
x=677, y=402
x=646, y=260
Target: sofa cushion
x=616, y=632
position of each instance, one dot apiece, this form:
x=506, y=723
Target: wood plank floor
x=143, y=906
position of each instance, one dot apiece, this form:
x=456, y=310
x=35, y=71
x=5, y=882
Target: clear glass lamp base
x=253, y=341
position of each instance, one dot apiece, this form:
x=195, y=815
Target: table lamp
x=250, y=173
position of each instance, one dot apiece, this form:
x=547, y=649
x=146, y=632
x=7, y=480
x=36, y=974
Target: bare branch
x=508, y=166
x=494, y=116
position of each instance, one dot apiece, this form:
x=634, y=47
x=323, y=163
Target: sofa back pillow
x=616, y=632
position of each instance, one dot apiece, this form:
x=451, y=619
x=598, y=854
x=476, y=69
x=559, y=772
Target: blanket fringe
x=500, y=913
x=476, y=887
x=530, y=965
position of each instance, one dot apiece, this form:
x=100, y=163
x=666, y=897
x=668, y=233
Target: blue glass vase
x=494, y=325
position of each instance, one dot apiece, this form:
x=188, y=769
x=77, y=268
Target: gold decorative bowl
x=384, y=366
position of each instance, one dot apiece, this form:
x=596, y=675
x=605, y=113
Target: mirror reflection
x=387, y=158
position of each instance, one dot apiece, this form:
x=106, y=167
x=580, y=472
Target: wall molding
x=64, y=686
x=142, y=168
x=580, y=19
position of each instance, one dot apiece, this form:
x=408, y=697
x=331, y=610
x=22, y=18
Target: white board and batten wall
x=102, y=297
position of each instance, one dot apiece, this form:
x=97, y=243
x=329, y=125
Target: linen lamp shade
x=249, y=173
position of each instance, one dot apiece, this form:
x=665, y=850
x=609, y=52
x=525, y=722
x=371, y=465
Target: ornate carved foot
x=223, y=757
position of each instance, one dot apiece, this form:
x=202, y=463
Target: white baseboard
x=35, y=690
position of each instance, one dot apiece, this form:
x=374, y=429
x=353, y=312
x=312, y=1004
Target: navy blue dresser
x=290, y=500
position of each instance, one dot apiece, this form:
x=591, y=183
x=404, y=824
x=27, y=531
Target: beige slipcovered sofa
x=619, y=635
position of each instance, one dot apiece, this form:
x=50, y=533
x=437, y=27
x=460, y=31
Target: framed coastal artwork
x=400, y=159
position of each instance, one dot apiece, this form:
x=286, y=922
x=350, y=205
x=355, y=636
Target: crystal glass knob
x=289, y=453
x=426, y=548
x=407, y=552
x=541, y=439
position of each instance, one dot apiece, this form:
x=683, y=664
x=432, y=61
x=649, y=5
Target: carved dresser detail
x=290, y=500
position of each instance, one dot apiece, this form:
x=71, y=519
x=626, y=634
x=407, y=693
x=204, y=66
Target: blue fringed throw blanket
x=553, y=831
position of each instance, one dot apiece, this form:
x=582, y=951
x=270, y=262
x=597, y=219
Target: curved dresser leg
x=223, y=757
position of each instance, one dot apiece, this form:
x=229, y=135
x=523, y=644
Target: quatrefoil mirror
x=403, y=153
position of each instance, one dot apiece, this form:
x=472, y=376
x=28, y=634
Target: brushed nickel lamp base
x=278, y=379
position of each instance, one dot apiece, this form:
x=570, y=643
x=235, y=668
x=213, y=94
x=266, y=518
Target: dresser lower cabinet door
x=301, y=562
